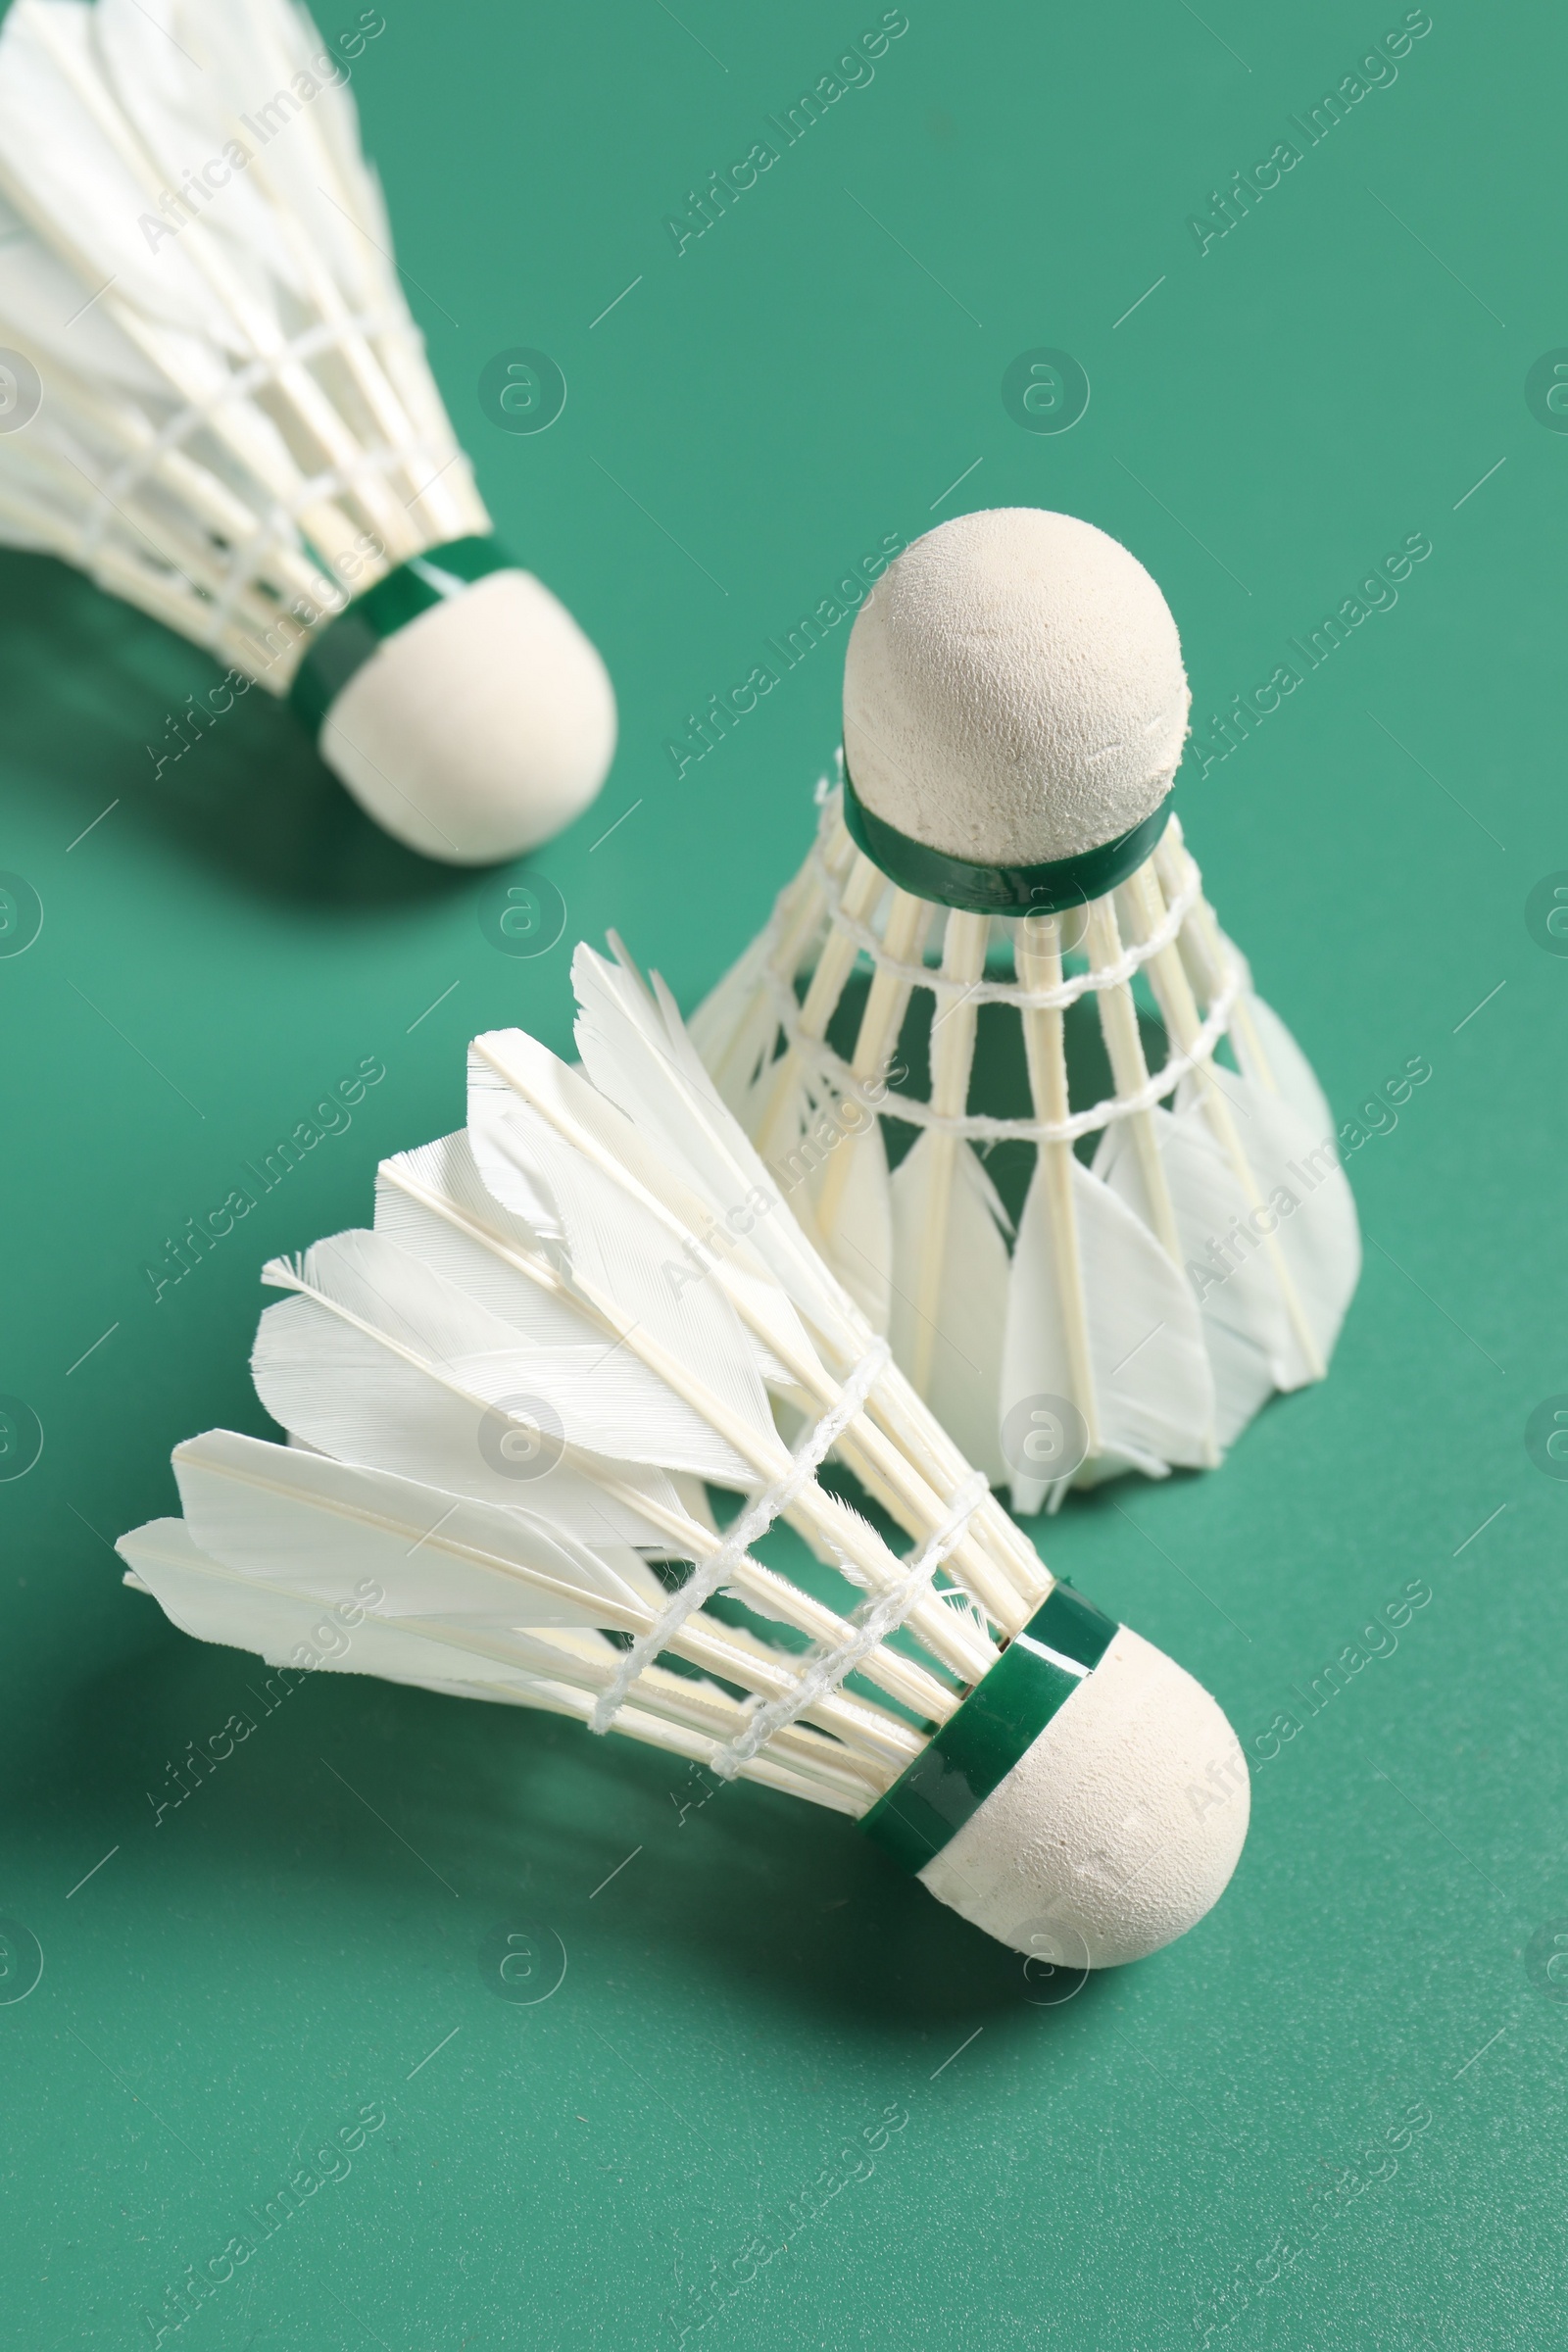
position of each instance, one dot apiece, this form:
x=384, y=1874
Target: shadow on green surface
x=101, y=707
x=393, y=1798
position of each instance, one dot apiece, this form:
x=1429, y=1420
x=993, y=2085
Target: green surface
x=1331, y=2119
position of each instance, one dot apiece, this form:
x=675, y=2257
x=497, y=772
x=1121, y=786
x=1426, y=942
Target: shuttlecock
x=213, y=399
x=999, y=859
x=570, y=1322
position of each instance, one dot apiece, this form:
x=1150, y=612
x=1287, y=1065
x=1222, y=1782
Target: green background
x=1189, y=2141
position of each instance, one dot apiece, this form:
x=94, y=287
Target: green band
x=1003, y=1716
x=1048, y=889
x=348, y=641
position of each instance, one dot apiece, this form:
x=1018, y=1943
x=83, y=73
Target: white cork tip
x=479, y=729
x=1117, y=1830
x=1013, y=690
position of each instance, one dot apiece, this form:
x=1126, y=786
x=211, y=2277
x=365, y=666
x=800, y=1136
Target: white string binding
x=244, y=569
x=127, y=479
x=825, y=1670
x=758, y=1517
x=832, y=1071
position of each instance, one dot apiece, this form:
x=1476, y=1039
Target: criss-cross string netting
x=229, y=420
x=823, y=1669
x=524, y=1385
x=1147, y=1215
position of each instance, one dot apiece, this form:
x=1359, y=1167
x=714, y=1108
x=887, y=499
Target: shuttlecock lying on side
x=506, y=1401
x=999, y=859
x=216, y=403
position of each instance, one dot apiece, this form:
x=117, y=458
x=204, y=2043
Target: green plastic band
x=348, y=641
x=1003, y=1716
x=1048, y=889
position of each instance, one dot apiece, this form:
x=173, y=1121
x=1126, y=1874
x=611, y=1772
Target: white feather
x=1296, y=1162
x=636, y=1051
x=856, y=1235
x=1284, y=1065
x=964, y=1386
x=735, y=1026
x=300, y=1631
x=1158, y=921
x=509, y=1069
x=302, y=1519
x=620, y=1249
x=407, y=1385
x=397, y=1372
x=292, y=1628
x=147, y=269
x=1245, y=1326
x=434, y=1204
x=1154, y=1390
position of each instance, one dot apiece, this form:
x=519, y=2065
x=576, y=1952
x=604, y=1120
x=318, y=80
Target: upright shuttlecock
x=505, y=1402
x=997, y=858
x=213, y=399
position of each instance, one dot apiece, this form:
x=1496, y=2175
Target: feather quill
x=1153, y=1389
x=379, y=1362
x=853, y=1216
x=521, y=1274
x=961, y=1347
x=213, y=497
x=274, y=1513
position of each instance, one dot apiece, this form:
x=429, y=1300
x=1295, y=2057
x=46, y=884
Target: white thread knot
x=825, y=1670
x=758, y=1517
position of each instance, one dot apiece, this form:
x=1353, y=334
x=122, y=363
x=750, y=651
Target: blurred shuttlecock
x=513, y=1394
x=213, y=399
x=997, y=868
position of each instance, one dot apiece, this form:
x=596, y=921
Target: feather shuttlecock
x=998, y=893
x=214, y=401
x=569, y=1323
